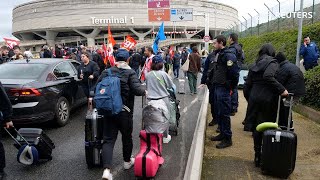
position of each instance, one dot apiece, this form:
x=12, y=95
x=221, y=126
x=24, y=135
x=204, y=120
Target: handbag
x=185, y=66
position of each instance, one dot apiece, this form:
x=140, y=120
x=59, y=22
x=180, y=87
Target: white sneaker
x=128, y=165
x=107, y=175
x=167, y=139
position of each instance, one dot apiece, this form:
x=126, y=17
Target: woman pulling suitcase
x=262, y=91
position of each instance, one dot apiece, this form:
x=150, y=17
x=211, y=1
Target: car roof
x=48, y=61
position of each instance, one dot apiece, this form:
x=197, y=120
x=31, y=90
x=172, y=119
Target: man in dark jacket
x=291, y=77
x=176, y=64
x=4, y=56
x=225, y=77
x=237, y=50
x=123, y=122
x=135, y=61
x=310, y=53
x=207, y=79
x=5, y=114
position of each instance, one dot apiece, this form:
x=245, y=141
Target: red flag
x=11, y=42
x=111, y=43
x=129, y=43
x=171, y=52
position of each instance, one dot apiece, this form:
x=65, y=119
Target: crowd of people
x=270, y=76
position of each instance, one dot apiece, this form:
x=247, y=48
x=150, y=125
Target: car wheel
x=62, y=111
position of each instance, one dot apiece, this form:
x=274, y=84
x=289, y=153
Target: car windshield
x=21, y=71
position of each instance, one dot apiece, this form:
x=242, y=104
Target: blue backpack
x=108, y=94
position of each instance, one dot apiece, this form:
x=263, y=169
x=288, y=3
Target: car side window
x=75, y=65
x=65, y=70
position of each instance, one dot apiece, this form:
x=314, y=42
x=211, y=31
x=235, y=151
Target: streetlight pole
x=258, y=21
x=251, y=24
x=299, y=35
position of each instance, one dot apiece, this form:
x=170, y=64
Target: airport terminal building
x=71, y=22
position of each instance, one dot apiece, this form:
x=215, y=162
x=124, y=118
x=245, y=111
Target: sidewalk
x=236, y=162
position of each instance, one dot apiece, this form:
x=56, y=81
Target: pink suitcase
x=149, y=158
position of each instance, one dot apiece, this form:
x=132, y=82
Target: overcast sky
x=244, y=7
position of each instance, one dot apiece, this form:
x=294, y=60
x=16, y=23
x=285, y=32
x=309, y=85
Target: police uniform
x=225, y=77
x=237, y=50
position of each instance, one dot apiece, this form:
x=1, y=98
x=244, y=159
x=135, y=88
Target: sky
x=244, y=7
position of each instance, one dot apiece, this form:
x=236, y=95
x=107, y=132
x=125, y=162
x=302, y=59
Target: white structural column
x=90, y=37
x=206, y=31
x=50, y=37
x=141, y=36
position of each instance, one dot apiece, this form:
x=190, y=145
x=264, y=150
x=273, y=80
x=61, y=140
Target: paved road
x=69, y=160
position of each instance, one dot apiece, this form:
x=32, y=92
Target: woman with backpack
x=158, y=82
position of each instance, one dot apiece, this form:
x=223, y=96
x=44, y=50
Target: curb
x=308, y=112
x=195, y=158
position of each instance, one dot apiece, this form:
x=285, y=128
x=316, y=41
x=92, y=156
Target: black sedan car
x=42, y=90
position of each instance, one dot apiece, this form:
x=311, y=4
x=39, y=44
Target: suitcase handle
x=290, y=95
x=15, y=138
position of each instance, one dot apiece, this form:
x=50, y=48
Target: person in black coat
x=88, y=72
x=5, y=114
x=291, y=77
x=262, y=91
x=123, y=122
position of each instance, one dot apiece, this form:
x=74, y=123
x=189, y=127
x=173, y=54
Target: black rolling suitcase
x=93, y=136
x=279, y=149
x=37, y=138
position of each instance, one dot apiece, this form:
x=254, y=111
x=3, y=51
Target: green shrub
x=312, y=97
x=284, y=40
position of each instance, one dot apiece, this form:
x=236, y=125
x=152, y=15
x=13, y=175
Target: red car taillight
x=25, y=92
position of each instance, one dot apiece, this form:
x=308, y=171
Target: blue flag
x=160, y=37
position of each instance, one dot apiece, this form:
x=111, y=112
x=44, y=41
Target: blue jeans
x=176, y=71
x=222, y=109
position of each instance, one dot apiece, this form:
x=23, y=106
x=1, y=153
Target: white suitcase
x=182, y=87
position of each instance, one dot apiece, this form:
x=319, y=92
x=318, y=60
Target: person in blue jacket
x=310, y=53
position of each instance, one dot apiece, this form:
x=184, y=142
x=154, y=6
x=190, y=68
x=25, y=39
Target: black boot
x=226, y=142
x=257, y=159
x=213, y=122
x=220, y=137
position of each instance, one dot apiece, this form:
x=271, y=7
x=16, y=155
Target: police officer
x=207, y=79
x=5, y=113
x=237, y=50
x=225, y=77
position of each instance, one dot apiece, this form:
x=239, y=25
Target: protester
x=74, y=54
x=262, y=91
x=28, y=53
x=237, y=50
x=46, y=52
x=147, y=65
x=194, y=69
x=88, y=72
x=135, y=61
x=291, y=77
x=4, y=55
x=123, y=122
x=207, y=79
x=169, y=61
x=158, y=82
x=176, y=64
x=97, y=58
x=17, y=53
x=5, y=114
x=184, y=57
x=58, y=52
x=224, y=78
x=310, y=53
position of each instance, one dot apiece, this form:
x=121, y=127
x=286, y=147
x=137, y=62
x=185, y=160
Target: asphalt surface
x=69, y=156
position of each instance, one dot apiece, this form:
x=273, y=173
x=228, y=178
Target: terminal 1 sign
x=112, y=20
